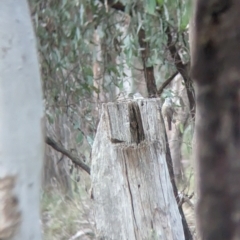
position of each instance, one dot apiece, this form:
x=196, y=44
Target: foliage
x=65, y=31
x=77, y=38
x=68, y=51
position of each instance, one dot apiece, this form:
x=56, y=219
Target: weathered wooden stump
x=131, y=186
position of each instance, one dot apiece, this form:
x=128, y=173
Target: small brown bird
x=168, y=111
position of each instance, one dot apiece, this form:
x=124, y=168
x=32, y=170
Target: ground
x=67, y=219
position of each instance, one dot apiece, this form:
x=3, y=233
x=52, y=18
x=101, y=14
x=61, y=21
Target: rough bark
x=21, y=125
x=132, y=189
x=148, y=70
x=217, y=74
x=187, y=232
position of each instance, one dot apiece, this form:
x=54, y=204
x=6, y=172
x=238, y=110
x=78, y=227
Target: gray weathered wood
x=131, y=186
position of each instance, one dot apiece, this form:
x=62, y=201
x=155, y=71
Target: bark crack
x=130, y=192
x=136, y=127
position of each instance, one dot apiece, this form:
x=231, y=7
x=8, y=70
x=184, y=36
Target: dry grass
x=64, y=219
x=188, y=190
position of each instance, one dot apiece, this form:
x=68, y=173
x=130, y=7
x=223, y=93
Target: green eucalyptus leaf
x=181, y=127
x=151, y=6
x=79, y=138
x=160, y=2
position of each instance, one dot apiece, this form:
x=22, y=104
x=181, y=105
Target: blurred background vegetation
x=90, y=51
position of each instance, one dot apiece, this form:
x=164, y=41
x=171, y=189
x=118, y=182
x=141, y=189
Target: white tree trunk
x=21, y=132
x=132, y=191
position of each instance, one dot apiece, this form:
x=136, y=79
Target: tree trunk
x=217, y=74
x=148, y=70
x=21, y=130
x=175, y=136
x=132, y=190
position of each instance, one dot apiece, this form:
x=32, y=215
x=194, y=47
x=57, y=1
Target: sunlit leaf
x=160, y=2
x=151, y=6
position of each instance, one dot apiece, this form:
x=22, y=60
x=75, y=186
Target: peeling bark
x=10, y=217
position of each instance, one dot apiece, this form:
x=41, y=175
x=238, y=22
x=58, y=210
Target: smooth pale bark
x=132, y=190
x=21, y=130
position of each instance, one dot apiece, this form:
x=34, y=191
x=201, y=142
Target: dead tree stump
x=131, y=186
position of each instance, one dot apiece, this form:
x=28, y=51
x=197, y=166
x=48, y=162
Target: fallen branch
x=62, y=150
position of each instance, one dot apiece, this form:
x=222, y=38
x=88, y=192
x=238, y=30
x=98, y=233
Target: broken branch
x=62, y=150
